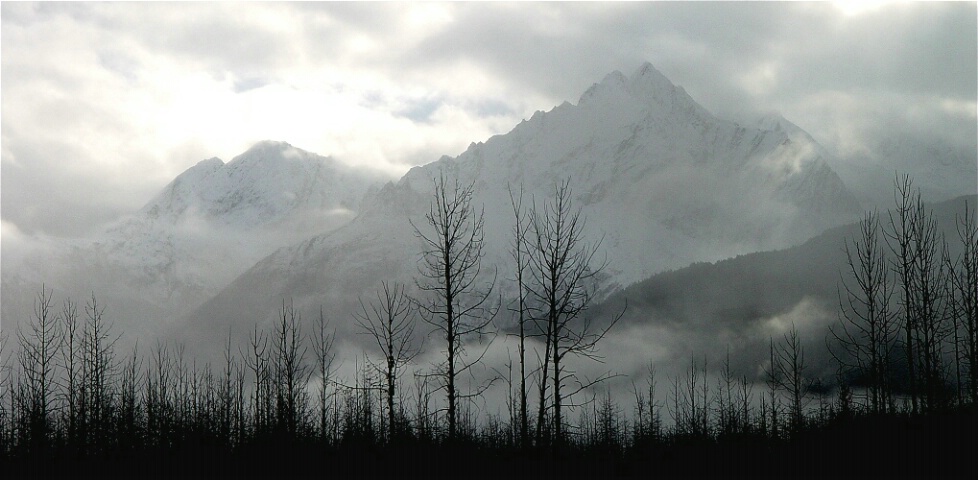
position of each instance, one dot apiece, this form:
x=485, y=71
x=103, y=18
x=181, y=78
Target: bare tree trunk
x=322, y=347
x=964, y=282
x=519, y=256
x=563, y=281
x=867, y=331
x=788, y=373
x=39, y=346
x=450, y=268
x=291, y=373
x=900, y=240
x=390, y=322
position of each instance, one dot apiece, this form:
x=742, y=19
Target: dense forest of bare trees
x=905, y=348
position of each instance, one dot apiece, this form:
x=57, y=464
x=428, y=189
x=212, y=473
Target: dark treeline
x=903, y=402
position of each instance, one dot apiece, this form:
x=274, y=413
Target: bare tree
x=867, y=330
x=291, y=373
x=229, y=406
x=129, y=410
x=915, y=242
x=691, y=402
x=39, y=346
x=727, y=406
x=159, y=397
x=71, y=364
x=422, y=416
x=563, y=282
x=963, y=300
x=98, y=371
x=788, y=372
x=6, y=442
x=520, y=257
x=258, y=364
x=322, y=346
x=930, y=278
x=390, y=323
x=899, y=238
x=457, y=307
x=648, y=419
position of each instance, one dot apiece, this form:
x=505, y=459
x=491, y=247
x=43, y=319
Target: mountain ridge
x=261, y=185
x=745, y=300
x=662, y=183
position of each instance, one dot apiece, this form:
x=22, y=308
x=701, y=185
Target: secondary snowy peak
x=265, y=184
x=210, y=224
x=232, y=214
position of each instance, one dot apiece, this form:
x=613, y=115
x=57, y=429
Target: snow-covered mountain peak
x=270, y=182
x=648, y=81
x=646, y=93
x=270, y=151
x=633, y=141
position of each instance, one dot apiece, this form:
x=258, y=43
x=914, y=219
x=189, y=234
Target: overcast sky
x=103, y=104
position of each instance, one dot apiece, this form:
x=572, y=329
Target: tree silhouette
x=322, y=346
x=290, y=373
x=390, y=323
x=963, y=299
x=563, y=281
x=916, y=244
x=98, y=373
x=788, y=373
x=867, y=330
x=457, y=307
x=520, y=254
x=39, y=346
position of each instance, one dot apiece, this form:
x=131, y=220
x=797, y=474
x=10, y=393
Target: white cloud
x=126, y=96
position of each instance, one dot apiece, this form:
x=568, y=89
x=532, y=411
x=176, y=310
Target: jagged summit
x=646, y=84
x=651, y=82
x=649, y=72
x=646, y=93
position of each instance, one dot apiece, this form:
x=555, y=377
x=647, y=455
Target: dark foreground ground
x=895, y=446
